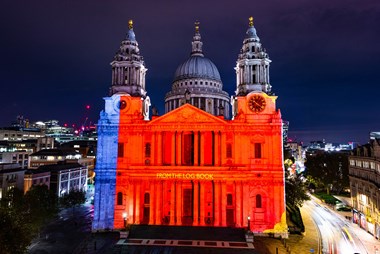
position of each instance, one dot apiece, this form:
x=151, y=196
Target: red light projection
x=189, y=167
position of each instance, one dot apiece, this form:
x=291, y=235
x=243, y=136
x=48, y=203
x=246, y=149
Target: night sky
x=55, y=56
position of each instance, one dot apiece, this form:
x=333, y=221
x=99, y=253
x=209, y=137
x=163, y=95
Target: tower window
x=258, y=150
x=119, y=198
x=120, y=150
x=258, y=201
x=253, y=48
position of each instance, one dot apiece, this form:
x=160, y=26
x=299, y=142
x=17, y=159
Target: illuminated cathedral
x=210, y=160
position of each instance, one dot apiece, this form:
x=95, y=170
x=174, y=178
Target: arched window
x=119, y=198
x=258, y=201
x=146, y=198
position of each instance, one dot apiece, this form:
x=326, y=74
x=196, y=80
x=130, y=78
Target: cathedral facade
x=193, y=165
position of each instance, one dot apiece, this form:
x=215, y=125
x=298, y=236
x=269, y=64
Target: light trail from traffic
x=338, y=236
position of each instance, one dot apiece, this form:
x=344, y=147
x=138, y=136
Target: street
x=65, y=233
x=338, y=234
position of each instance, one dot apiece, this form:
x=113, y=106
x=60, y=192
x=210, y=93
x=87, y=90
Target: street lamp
x=125, y=219
x=249, y=223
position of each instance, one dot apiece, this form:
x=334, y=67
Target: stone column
x=224, y=203
x=152, y=201
x=172, y=159
x=202, y=152
x=172, y=203
x=246, y=205
x=217, y=203
x=158, y=203
x=138, y=77
x=138, y=206
x=159, y=149
x=178, y=148
x=238, y=203
x=196, y=146
x=202, y=204
x=196, y=203
x=179, y=203
x=120, y=75
x=153, y=149
x=223, y=148
x=217, y=148
x=131, y=202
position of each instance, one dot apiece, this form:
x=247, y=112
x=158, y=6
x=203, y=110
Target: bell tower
x=252, y=65
x=128, y=68
x=127, y=102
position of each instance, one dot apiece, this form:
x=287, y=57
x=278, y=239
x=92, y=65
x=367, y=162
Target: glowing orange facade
x=189, y=167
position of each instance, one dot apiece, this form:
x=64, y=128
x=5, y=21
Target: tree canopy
x=328, y=170
x=21, y=217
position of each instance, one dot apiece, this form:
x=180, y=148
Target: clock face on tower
x=257, y=103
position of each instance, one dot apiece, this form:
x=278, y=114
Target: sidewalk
x=309, y=240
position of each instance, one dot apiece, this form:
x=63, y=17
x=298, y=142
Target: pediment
x=188, y=114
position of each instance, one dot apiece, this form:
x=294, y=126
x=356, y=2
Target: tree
x=330, y=169
x=16, y=231
x=73, y=198
x=41, y=204
x=295, y=191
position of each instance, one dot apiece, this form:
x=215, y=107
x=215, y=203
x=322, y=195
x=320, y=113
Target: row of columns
x=177, y=147
x=245, y=75
x=128, y=75
x=159, y=199
x=213, y=108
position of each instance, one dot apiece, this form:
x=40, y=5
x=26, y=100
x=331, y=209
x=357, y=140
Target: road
x=66, y=232
x=339, y=235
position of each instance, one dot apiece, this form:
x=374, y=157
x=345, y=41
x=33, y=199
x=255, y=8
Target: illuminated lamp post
x=249, y=223
x=125, y=219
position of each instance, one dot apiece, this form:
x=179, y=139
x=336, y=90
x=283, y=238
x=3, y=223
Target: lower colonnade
x=187, y=202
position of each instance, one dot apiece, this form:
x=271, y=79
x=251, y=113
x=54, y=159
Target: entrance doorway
x=187, y=202
x=230, y=218
x=146, y=212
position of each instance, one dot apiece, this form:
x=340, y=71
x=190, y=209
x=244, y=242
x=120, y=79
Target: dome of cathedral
x=197, y=66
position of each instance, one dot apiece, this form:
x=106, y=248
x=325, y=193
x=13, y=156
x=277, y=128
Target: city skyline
x=324, y=57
